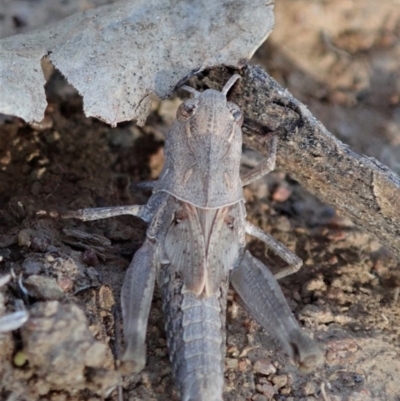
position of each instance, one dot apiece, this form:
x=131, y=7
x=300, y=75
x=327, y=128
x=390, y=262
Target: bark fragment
x=359, y=186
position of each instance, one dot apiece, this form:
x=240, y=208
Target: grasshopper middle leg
x=99, y=213
x=289, y=257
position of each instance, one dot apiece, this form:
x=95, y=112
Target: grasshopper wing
x=185, y=249
x=224, y=243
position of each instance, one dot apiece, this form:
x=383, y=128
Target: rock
x=280, y=380
x=267, y=389
x=24, y=237
x=32, y=266
x=39, y=244
x=65, y=283
x=264, y=367
x=63, y=353
x=314, y=285
x=44, y=288
x=309, y=388
x=318, y=314
x=90, y=258
x=95, y=355
x=281, y=194
x=231, y=363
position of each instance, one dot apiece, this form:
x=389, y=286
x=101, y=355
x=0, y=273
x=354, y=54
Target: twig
x=359, y=186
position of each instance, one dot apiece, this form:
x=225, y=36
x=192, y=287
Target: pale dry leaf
x=117, y=55
x=20, y=16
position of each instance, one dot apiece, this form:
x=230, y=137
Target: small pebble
x=50, y=258
x=316, y=284
x=333, y=260
x=43, y=287
x=52, y=137
x=280, y=380
x=264, y=367
x=285, y=390
x=267, y=389
x=42, y=387
x=281, y=194
x=90, y=258
x=231, y=363
x=283, y=224
x=65, y=283
x=250, y=337
x=24, y=237
x=296, y=296
x=39, y=244
x=242, y=365
x=319, y=314
x=309, y=388
x=31, y=266
x=233, y=351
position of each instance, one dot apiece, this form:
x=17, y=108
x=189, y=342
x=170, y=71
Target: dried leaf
x=117, y=55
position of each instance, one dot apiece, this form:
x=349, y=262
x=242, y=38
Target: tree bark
x=359, y=186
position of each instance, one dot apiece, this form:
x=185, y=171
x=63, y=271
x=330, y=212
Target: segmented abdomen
x=195, y=327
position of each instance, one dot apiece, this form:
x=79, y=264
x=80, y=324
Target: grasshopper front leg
x=263, y=298
x=263, y=168
x=136, y=296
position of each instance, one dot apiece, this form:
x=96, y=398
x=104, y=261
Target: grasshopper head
x=210, y=106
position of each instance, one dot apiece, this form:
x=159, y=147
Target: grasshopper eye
x=186, y=109
x=236, y=114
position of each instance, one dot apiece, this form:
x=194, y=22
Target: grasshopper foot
x=306, y=353
x=133, y=361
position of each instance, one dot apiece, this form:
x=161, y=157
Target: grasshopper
x=195, y=247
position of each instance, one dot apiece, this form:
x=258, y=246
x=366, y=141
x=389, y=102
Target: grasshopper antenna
x=225, y=89
x=193, y=91
x=230, y=83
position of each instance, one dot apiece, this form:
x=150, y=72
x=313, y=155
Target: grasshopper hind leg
x=263, y=298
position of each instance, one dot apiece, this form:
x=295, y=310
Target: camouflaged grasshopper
x=195, y=247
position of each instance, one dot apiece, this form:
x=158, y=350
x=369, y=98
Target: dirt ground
x=339, y=57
